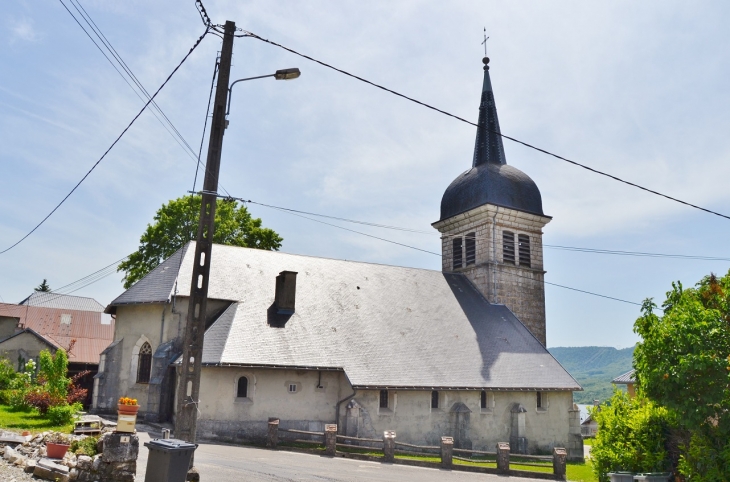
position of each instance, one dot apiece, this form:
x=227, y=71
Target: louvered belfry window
x=144, y=366
x=457, y=252
x=508, y=247
x=524, y=241
x=471, y=248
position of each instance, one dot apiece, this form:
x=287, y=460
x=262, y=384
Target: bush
x=7, y=373
x=5, y=396
x=632, y=436
x=42, y=400
x=85, y=446
x=707, y=459
x=62, y=414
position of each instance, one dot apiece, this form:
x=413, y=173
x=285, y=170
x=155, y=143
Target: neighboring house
x=628, y=379
x=457, y=352
x=49, y=321
x=589, y=427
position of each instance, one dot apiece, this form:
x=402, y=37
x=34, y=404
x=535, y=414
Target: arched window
x=144, y=365
x=242, y=387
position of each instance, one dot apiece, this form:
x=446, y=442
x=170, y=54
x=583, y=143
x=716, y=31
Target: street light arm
x=230, y=89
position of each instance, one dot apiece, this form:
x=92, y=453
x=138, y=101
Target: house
x=310, y=340
x=628, y=379
x=51, y=321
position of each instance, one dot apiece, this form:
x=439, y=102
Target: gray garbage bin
x=653, y=477
x=169, y=460
x=621, y=476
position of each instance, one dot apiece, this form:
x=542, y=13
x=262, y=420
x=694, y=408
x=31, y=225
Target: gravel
x=13, y=473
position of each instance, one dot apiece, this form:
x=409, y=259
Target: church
x=458, y=352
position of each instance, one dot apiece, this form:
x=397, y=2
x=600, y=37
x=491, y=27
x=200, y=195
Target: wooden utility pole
x=188, y=393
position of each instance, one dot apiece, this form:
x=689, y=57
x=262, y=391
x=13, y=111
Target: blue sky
x=637, y=89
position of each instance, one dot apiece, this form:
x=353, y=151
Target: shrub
x=52, y=372
x=41, y=400
x=75, y=392
x=707, y=459
x=7, y=373
x=62, y=414
x=632, y=435
x=85, y=446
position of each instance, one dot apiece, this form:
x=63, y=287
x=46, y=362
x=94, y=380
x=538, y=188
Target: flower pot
x=128, y=409
x=25, y=433
x=56, y=451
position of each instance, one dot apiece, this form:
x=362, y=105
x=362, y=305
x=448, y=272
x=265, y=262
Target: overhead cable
x=197, y=42
x=428, y=106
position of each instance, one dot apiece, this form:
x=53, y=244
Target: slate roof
x=64, y=302
x=625, y=379
x=385, y=326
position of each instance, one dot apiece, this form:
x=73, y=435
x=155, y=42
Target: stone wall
x=520, y=288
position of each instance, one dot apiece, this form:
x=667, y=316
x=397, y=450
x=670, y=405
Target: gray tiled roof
x=64, y=302
x=383, y=325
x=625, y=379
x=157, y=286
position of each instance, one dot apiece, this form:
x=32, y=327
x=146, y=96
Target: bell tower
x=491, y=224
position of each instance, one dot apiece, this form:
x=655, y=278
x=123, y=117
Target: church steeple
x=488, y=148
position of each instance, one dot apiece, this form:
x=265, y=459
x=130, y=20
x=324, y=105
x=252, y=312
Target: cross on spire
x=485, y=41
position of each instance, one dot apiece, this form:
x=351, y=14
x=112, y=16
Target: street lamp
x=283, y=74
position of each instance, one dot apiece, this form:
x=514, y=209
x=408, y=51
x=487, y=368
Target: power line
x=428, y=106
x=200, y=39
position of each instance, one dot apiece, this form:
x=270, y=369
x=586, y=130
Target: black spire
x=488, y=148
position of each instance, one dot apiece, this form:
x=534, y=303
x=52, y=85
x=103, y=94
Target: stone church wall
x=520, y=288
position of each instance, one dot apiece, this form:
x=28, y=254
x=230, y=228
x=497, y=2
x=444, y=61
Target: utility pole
x=188, y=393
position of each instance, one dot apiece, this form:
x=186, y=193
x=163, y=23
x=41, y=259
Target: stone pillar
x=447, y=452
x=503, y=457
x=517, y=438
x=117, y=463
x=575, y=438
x=389, y=445
x=330, y=439
x=273, y=437
x=559, y=457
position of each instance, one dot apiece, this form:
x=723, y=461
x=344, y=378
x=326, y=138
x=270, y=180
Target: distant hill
x=594, y=367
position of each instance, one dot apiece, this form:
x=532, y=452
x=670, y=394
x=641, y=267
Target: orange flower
x=127, y=401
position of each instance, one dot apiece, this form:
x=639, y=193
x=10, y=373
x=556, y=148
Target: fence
x=387, y=448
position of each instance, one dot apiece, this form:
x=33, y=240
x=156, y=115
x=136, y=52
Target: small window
x=383, y=398
x=242, y=391
x=144, y=365
x=292, y=388
x=484, y=399
x=524, y=241
x=541, y=401
x=457, y=253
x=508, y=247
x=435, y=399
x=471, y=248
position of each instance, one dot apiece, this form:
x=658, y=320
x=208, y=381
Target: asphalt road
x=229, y=463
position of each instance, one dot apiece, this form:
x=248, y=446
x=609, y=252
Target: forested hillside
x=594, y=367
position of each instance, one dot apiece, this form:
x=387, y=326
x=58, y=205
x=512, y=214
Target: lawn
x=18, y=420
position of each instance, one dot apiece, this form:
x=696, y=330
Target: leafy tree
x=683, y=362
x=176, y=223
x=43, y=287
x=52, y=373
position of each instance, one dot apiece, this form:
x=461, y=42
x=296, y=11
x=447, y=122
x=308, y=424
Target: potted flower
x=57, y=445
x=128, y=406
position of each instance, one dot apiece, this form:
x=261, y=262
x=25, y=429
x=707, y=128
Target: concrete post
x=503, y=457
x=447, y=452
x=559, y=457
x=273, y=438
x=575, y=439
x=330, y=439
x=389, y=445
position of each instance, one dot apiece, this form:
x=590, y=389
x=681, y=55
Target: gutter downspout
x=494, y=256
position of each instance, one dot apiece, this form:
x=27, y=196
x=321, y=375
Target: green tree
x=52, y=370
x=43, y=287
x=176, y=223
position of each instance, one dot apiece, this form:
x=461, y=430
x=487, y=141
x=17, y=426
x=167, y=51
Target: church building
x=458, y=352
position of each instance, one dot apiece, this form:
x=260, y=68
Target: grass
x=588, y=441
x=581, y=471
x=19, y=420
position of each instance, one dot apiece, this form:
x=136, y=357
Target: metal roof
x=383, y=325
x=68, y=302
x=625, y=379
x=490, y=180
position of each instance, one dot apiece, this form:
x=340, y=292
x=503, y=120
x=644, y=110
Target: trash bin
x=621, y=476
x=169, y=460
x=653, y=477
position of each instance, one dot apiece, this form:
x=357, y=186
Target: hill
x=594, y=367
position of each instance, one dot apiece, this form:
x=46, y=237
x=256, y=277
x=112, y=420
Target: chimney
x=286, y=289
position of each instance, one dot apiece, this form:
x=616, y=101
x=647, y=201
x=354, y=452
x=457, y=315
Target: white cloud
x=23, y=29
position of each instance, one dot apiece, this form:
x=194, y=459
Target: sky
x=636, y=89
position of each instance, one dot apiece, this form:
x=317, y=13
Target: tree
x=43, y=287
x=176, y=223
